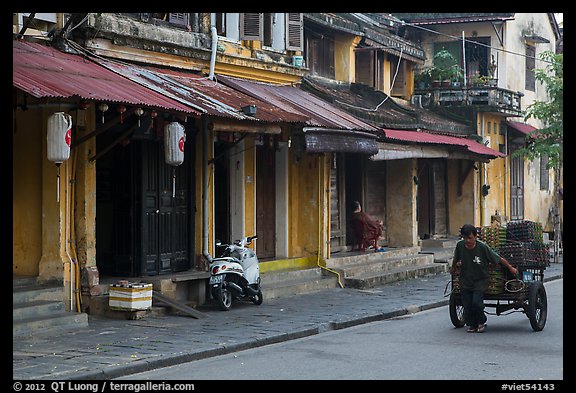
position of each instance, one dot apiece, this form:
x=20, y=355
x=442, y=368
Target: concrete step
x=441, y=255
x=385, y=264
x=30, y=293
x=374, y=279
x=337, y=261
x=283, y=283
x=40, y=309
x=36, y=308
x=47, y=324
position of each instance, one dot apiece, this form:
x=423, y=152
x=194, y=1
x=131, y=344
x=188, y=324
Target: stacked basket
x=524, y=246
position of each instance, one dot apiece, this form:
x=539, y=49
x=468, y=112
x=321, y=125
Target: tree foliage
x=548, y=140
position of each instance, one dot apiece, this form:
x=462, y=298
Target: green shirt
x=474, y=271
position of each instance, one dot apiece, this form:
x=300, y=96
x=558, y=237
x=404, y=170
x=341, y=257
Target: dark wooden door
x=165, y=233
x=432, y=208
x=265, y=202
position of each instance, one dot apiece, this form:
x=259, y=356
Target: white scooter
x=235, y=274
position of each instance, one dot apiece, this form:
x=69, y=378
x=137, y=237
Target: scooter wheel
x=257, y=299
x=224, y=298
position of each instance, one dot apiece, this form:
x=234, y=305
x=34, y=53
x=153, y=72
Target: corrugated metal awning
x=522, y=128
x=206, y=96
x=320, y=113
x=320, y=140
x=420, y=137
x=44, y=72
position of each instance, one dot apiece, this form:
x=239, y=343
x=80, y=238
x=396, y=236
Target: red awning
x=422, y=137
x=523, y=128
x=43, y=71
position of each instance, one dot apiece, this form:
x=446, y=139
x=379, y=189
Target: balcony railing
x=483, y=98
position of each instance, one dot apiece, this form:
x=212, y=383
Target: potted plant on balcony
x=423, y=79
x=446, y=68
x=479, y=80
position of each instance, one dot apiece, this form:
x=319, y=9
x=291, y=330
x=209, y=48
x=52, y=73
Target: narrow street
x=421, y=346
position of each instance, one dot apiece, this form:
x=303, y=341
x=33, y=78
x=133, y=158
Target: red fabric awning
x=43, y=71
x=438, y=139
x=523, y=128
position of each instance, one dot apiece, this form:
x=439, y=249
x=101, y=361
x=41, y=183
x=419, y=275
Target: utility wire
x=474, y=42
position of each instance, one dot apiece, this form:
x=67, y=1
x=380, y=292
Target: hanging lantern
x=121, y=110
x=59, y=138
x=102, y=108
x=139, y=112
x=153, y=115
x=174, y=138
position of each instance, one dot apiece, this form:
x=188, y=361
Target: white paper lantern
x=174, y=138
x=59, y=137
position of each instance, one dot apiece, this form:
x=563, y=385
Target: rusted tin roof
x=44, y=71
x=206, y=96
x=320, y=113
x=429, y=138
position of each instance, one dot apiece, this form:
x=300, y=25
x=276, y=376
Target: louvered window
x=251, y=26
x=294, y=31
x=178, y=19
x=530, y=65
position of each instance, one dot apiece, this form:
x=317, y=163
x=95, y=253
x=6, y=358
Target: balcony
x=480, y=98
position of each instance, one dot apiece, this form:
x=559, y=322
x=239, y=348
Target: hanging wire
x=475, y=42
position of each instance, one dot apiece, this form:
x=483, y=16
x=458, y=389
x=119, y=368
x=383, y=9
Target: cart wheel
x=456, y=310
x=537, y=306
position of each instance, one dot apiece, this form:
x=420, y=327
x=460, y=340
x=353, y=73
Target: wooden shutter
x=178, y=19
x=530, y=65
x=294, y=31
x=251, y=26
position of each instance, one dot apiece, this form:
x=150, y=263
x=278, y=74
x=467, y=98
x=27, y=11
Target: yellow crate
x=130, y=296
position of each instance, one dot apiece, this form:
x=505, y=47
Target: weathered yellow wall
x=199, y=176
x=84, y=225
x=498, y=198
x=344, y=61
x=27, y=164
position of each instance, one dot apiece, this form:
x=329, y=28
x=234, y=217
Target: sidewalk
x=110, y=348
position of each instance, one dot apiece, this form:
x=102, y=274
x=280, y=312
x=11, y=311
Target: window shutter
x=294, y=31
x=178, y=19
x=251, y=26
x=530, y=65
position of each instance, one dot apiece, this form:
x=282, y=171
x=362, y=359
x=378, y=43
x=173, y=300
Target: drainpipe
x=213, y=55
x=205, y=147
x=484, y=208
x=320, y=192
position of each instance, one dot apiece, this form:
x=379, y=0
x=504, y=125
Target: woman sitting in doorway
x=366, y=229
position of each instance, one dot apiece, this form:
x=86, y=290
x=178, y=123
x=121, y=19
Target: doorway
x=265, y=202
x=143, y=205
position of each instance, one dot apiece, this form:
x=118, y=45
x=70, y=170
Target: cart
x=525, y=294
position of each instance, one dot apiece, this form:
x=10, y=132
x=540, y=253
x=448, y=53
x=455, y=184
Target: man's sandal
x=471, y=330
x=481, y=328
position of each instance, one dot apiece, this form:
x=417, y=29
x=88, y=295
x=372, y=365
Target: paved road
x=111, y=348
x=420, y=346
